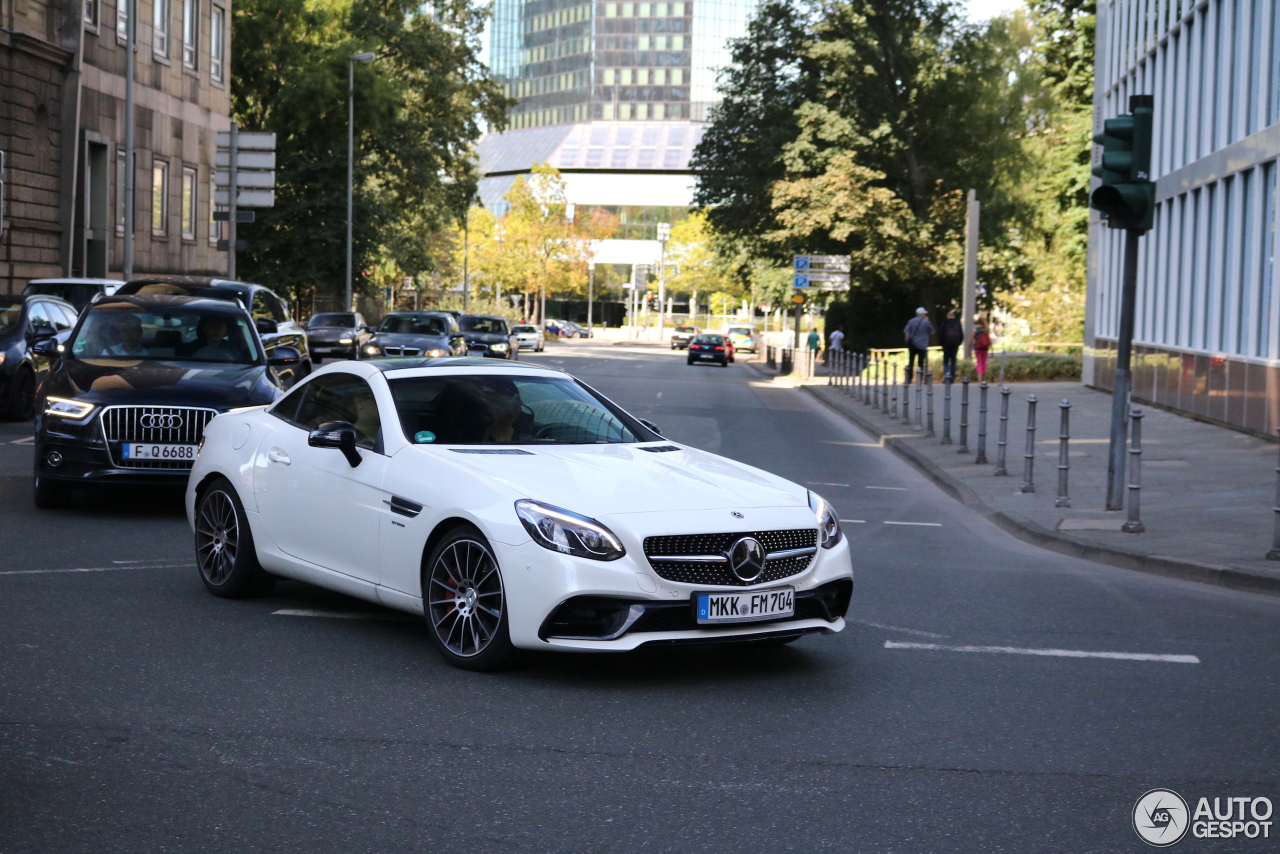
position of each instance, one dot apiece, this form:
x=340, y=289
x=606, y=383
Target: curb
x=1031, y=532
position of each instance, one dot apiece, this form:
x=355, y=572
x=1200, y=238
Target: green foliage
x=418, y=109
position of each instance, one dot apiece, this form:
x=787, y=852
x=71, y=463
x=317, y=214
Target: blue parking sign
x=802, y=280
x=802, y=262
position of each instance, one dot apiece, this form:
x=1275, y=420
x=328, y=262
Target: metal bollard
x=1064, y=463
x=928, y=393
x=866, y=380
x=1002, y=442
x=981, y=457
x=1134, y=525
x=919, y=422
x=833, y=367
x=884, y=388
x=964, y=417
x=1274, y=554
x=1029, y=458
x=946, y=410
x=875, y=383
x=906, y=394
x=893, y=408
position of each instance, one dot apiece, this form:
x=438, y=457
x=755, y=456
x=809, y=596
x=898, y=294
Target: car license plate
x=746, y=607
x=143, y=451
x=706, y=355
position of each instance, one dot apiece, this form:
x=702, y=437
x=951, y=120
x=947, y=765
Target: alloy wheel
x=217, y=537
x=465, y=598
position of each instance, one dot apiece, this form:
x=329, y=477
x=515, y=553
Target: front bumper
x=487, y=351
x=541, y=583
x=85, y=461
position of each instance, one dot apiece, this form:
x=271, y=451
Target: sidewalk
x=1207, y=492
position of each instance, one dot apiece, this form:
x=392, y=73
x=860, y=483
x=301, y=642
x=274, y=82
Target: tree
x=418, y=112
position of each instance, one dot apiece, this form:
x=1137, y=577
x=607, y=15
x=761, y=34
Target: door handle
x=278, y=456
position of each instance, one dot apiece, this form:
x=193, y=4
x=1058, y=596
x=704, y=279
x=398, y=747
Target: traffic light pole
x=1124, y=377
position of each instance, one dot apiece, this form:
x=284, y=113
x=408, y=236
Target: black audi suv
x=128, y=396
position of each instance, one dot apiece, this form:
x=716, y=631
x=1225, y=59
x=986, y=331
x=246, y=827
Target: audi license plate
x=746, y=607
x=144, y=451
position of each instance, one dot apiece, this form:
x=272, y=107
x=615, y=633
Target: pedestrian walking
x=981, y=346
x=951, y=337
x=836, y=342
x=917, y=333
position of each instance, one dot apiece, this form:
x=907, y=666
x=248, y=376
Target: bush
x=1018, y=367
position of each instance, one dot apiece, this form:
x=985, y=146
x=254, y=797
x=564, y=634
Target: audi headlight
x=566, y=532
x=372, y=350
x=829, y=532
x=344, y=340
x=75, y=410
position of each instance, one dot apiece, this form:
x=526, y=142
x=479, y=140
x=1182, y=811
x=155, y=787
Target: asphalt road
x=138, y=713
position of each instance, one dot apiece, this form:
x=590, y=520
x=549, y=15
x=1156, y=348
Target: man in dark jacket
x=950, y=336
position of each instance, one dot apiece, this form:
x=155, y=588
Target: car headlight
x=498, y=348
x=566, y=532
x=344, y=340
x=372, y=350
x=437, y=353
x=75, y=410
x=829, y=532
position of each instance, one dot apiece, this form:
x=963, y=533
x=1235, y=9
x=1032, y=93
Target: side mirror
x=336, y=434
x=284, y=357
x=266, y=326
x=651, y=426
x=46, y=347
x=43, y=331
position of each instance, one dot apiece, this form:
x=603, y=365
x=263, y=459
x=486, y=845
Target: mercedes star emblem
x=738, y=515
x=746, y=559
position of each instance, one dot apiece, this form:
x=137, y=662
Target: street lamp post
x=130, y=173
x=351, y=146
x=664, y=234
x=591, y=291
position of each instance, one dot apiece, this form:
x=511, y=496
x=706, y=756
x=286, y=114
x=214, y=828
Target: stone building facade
x=62, y=104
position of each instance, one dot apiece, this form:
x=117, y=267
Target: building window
x=120, y=179
x=217, y=44
x=159, y=197
x=188, y=203
x=122, y=20
x=190, y=32
x=215, y=227
x=160, y=24
x=91, y=12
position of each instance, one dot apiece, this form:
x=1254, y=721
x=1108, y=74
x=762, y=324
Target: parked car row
x=740, y=336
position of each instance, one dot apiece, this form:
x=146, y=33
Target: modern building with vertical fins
x=614, y=95
x=1207, y=332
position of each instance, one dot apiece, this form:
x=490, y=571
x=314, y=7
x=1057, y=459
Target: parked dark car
x=710, y=349
x=337, y=335
x=430, y=334
x=489, y=336
x=128, y=396
x=269, y=310
x=26, y=320
x=78, y=292
x=682, y=336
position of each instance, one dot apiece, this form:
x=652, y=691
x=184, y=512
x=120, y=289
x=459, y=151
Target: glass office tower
x=614, y=95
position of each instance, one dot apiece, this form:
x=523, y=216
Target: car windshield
x=414, y=324
x=77, y=293
x=742, y=330
x=686, y=329
x=708, y=339
x=339, y=320
x=504, y=410
x=128, y=331
x=522, y=330
x=10, y=314
x=483, y=324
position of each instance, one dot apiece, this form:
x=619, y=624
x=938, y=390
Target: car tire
x=465, y=629
x=688, y=361
x=22, y=403
x=49, y=494
x=225, y=553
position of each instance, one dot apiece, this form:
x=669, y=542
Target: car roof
x=412, y=363
x=73, y=281
x=409, y=311
x=18, y=299
x=170, y=301
x=484, y=316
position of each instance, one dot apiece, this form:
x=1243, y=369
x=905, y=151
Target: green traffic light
x=1126, y=198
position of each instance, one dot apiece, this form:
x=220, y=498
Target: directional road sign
x=246, y=160
x=241, y=216
x=833, y=263
x=246, y=179
x=246, y=198
x=248, y=141
x=828, y=276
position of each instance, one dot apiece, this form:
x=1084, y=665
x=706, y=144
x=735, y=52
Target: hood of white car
x=605, y=480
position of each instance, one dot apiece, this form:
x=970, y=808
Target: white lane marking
x=854, y=521
x=1057, y=653
x=890, y=488
x=154, y=560
x=901, y=629
x=97, y=568
x=857, y=444
x=918, y=524
x=27, y=441
x=339, y=615
x=820, y=483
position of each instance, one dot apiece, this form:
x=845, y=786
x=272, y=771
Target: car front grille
x=160, y=425
x=402, y=351
x=718, y=573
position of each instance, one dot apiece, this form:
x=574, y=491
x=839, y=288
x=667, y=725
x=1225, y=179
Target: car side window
x=338, y=397
x=275, y=305
x=38, y=316
x=62, y=317
x=260, y=306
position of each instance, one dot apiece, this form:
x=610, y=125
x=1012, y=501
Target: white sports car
x=515, y=509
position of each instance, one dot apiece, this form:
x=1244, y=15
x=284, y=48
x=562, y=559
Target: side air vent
x=404, y=507
x=661, y=449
